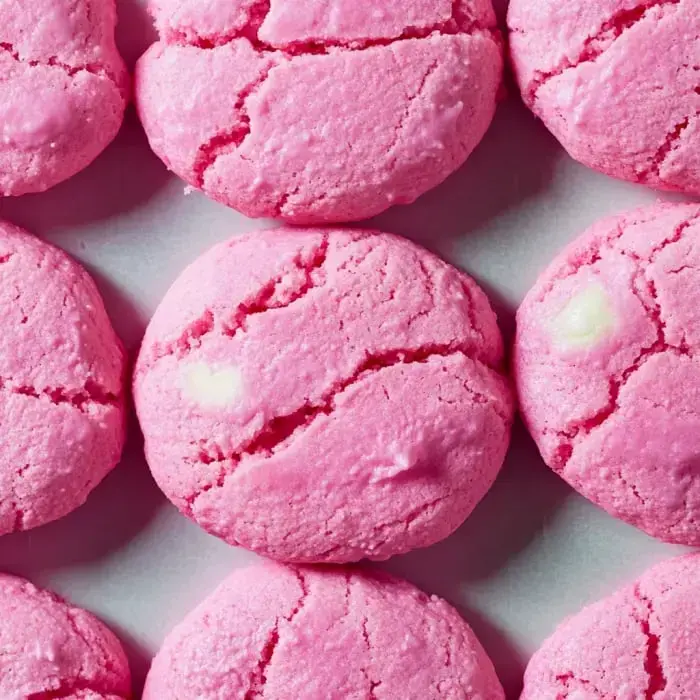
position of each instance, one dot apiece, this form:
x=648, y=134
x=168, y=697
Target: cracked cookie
x=312, y=634
x=61, y=384
x=312, y=113
x=63, y=90
x=324, y=395
x=608, y=371
x=617, y=82
x=53, y=651
x=638, y=644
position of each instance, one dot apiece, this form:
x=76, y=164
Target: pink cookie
x=321, y=634
x=63, y=90
x=642, y=643
x=50, y=650
x=311, y=111
x=61, y=377
x=608, y=368
x=324, y=395
x=616, y=81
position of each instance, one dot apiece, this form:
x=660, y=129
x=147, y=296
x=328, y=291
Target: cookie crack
x=67, y=690
x=574, y=435
x=373, y=684
x=658, y=347
x=19, y=515
x=570, y=681
x=258, y=680
x=682, y=268
x=104, y=655
x=483, y=399
x=364, y=630
x=257, y=14
x=18, y=525
x=411, y=99
x=406, y=520
x=269, y=297
x=284, y=200
x=666, y=149
x=233, y=137
x=52, y=62
x=469, y=294
x=276, y=434
x=608, y=245
x=91, y=394
x=676, y=237
x=595, y=45
x=460, y=22
x=653, y=664
x=429, y=282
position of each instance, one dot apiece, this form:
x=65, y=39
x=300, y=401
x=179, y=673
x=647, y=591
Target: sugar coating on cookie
x=324, y=395
x=616, y=81
x=643, y=642
x=281, y=632
x=317, y=112
x=61, y=384
x=608, y=370
x=51, y=649
x=63, y=90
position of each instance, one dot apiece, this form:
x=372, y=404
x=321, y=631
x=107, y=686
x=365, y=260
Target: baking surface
x=532, y=553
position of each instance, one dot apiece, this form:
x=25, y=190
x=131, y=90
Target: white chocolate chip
x=212, y=387
x=587, y=318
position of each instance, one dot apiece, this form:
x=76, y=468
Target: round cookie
x=616, y=81
x=61, y=384
x=53, y=650
x=297, y=110
x=608, y=370
x=318, y=634
x=63, y=90
x=324, y=395
x=641, y=642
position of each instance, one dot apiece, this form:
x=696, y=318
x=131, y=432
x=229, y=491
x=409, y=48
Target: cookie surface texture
x=608, y=372
x=54, y=650
x=61, y=384
x=324, y=395
x=641, y=642
x=321, y=634
x=63, y=90
x=616, y=81
x=316, y=112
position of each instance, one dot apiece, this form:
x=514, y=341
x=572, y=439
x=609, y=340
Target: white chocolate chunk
x=398, y=462
x=586, y=319
x=212, y=387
